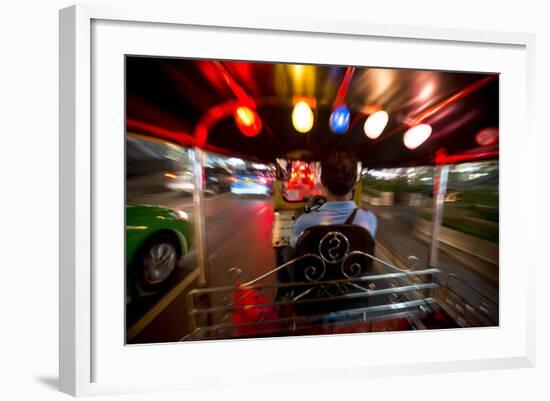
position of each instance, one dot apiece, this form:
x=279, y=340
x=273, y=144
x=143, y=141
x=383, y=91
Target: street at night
x=242, y=239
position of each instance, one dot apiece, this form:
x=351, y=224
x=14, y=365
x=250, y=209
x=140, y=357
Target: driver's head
x=339, y=172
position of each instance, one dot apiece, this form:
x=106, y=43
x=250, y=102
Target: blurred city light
x=375, y=124
x=235, y=162
x=297, y=79
x=374, y=85
x=427, y=91
x=259, y=166
x=417, y=135
x=302, y=117
x=339, y=120
x=182, y=215
x=248, y=121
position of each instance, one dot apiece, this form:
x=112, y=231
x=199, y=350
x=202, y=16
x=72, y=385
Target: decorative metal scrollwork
x=353, y=263
x=333, y=247
x=329, y=290
x=315, y=271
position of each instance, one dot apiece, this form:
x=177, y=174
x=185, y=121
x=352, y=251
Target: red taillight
x=261, y=180
x=234, y=179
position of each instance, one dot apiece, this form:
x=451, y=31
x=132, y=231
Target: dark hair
x=339, y=171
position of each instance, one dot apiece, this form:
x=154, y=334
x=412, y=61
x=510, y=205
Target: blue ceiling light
x=339, y=120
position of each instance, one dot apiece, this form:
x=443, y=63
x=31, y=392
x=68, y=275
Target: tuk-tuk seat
x=337, y=245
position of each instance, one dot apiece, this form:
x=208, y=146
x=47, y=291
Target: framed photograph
x=312, y=193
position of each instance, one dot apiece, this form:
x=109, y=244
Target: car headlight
x=182, y=215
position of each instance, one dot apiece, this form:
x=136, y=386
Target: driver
x=338, y=177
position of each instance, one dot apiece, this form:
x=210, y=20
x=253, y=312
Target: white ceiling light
x=417, y=135
x=302, y=117
x=375, y=124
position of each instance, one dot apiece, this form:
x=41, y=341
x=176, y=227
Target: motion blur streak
x=237, y=90
x=211, y=118
x=442, y=158
x=303, y=79
x=182, y=138
x=344, y=86
x=453, y=99
x=178, y=137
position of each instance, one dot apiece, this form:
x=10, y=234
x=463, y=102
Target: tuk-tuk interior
x=233, y=110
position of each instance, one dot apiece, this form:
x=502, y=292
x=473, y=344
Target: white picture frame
x=81, y=342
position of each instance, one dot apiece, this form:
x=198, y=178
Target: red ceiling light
x=248, y=121
x=487, y=136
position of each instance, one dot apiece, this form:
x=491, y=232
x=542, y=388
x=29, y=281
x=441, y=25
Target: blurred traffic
x=239, y=214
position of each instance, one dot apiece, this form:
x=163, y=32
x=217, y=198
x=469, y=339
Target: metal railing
x=316, y=303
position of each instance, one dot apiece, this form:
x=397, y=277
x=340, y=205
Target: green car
x=156, y=240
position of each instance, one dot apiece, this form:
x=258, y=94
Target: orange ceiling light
x=248, y=121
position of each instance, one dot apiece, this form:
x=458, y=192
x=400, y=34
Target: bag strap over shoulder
x=350, y=218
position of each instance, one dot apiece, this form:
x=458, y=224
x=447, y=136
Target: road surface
x=397, y=232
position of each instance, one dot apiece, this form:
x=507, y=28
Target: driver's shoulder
x=309, y=218
x=314, y=218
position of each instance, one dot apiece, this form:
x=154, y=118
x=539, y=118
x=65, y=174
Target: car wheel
x=155, y=264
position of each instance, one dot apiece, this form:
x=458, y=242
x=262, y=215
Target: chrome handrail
x=314, y=289
x=363, y=312
x=301, y=300
x=374, y=277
